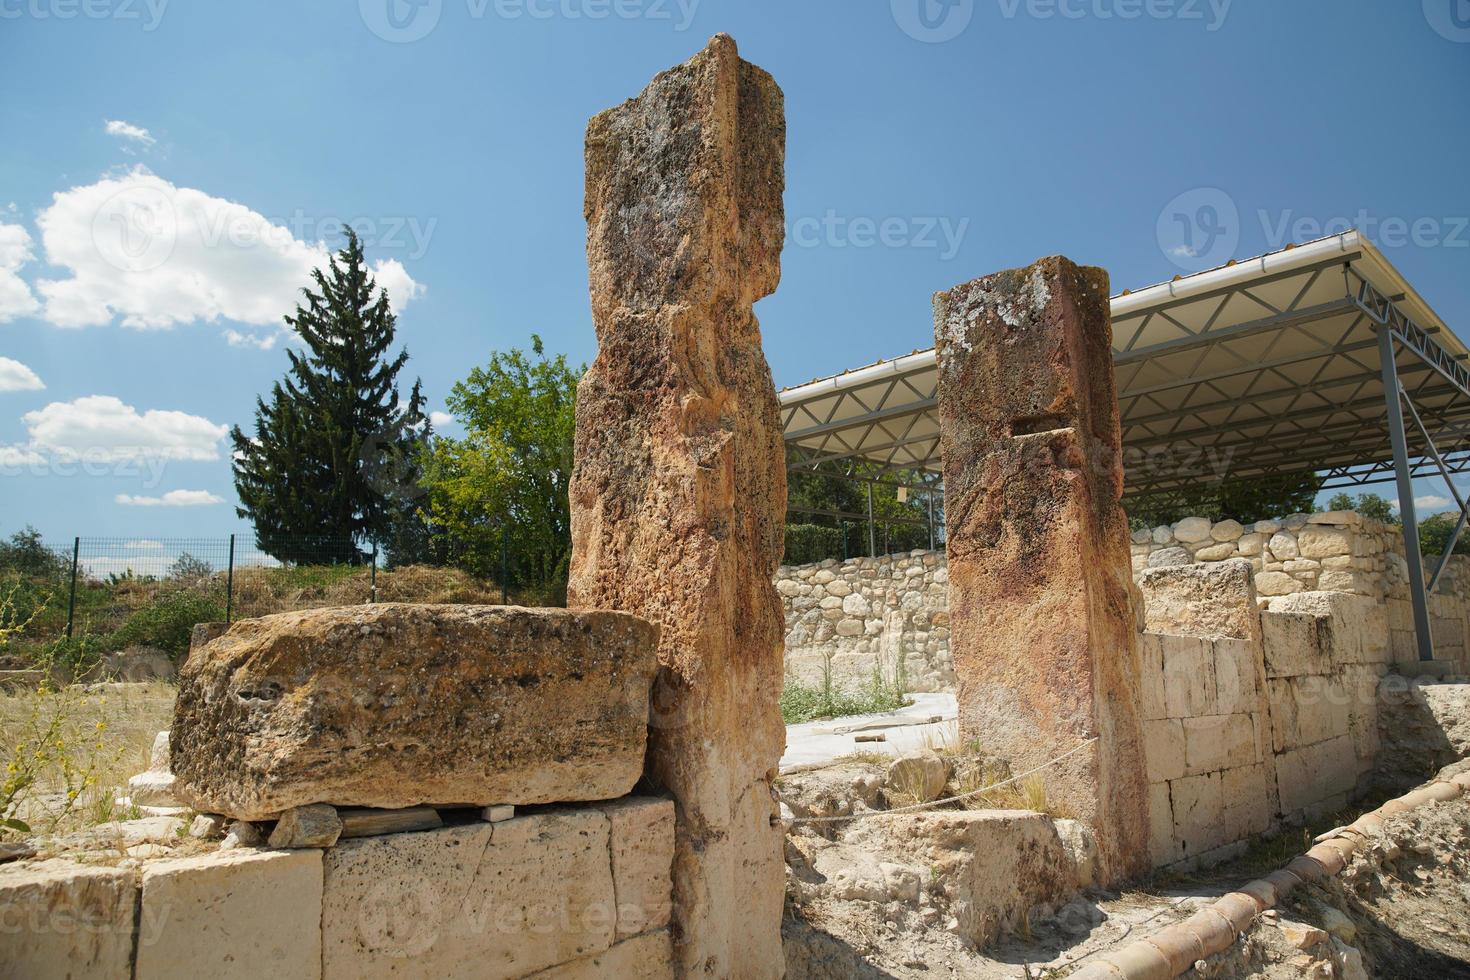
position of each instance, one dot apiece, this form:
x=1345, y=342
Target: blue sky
x=980, y=136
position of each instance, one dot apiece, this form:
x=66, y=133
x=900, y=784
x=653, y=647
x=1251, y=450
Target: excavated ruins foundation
x=440, y=791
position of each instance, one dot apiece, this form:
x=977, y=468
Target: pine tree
x=333, y=465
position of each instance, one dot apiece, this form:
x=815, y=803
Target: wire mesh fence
x=76, y=601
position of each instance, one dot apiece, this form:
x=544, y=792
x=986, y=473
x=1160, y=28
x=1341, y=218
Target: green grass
x=800, y=703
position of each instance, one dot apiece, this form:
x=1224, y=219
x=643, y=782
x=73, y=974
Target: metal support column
x=1415, y=561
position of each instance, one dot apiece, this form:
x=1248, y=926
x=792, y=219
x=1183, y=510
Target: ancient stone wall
x=1336, y=551
x=1366, y=559
x=584, y=891
x=888, y=615
x=1253, y=718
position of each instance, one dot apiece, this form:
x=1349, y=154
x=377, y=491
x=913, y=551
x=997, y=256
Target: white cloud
x=145, y=544
x=15, y=376
x=156, y=255
x=441, y=419
x=1433, y=503
x=13, y=457
x=258, y=341
x=15, y=251
x=127, y=131
x=103, y=428
x=174, y=498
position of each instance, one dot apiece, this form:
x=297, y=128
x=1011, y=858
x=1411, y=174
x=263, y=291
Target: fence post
x=872, y=533
x=932, y=540
x=230, y=585
x=71, y=602
x=373, y=576
x=504, y=564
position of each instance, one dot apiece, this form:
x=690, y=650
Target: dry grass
x=262, y=591
x=69, y=752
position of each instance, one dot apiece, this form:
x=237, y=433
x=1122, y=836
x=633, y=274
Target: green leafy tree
x=1248, y=500
x=332, y=465
x=1367, y=504
x=1434, y=535
x=510, y=472
x=815, y=498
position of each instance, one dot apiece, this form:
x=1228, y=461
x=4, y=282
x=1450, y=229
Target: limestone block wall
x=1207, y=745
x=889, y=614
x=1324, y=655
x=1255, y=717
x=577, y=891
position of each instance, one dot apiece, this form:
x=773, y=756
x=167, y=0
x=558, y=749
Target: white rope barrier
x=918, y=807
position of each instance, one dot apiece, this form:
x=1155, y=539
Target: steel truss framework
x=1297, y=362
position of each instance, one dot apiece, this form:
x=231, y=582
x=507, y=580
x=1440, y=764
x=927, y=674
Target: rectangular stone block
x=1305, y=710
x=1189, y=677
x=1163, y=847
x=1153, y=702
x=1293, y=644
x=1312, y=774
x=642, y=833
x=232, y=914
x=395, y=705
x=646, y=957
x=1352, y=629
x=1237, y=664
x=1163, y=745
x=485, y=900
x=1246, y=794
x=59, y=919
x=1209, y=600
x=1198, y=813
x=1217, y=742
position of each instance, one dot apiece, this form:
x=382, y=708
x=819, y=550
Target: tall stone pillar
x=679, y=491
x=1044, y=626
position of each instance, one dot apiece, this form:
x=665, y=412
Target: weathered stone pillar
x=1044, y=627
x=679, y=492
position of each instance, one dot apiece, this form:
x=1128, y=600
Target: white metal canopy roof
x=1267, y=366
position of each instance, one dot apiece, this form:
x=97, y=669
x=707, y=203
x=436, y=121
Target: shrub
x=167, y=621
x=808, y=543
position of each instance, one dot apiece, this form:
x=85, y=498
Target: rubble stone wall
x=888, y=614
x=582, y=891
